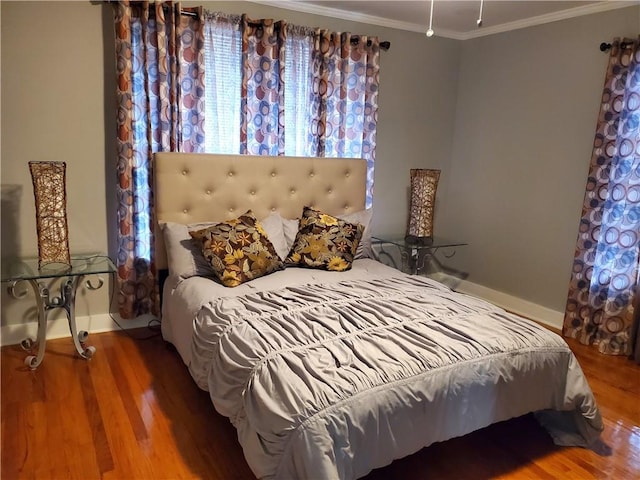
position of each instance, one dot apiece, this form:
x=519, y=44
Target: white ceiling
x=453, y=18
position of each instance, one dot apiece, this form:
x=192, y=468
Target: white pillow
x=274, y=228
x=185, y=257
x=290, y=227
x=363, y=217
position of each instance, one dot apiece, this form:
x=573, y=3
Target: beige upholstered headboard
x=199, y=187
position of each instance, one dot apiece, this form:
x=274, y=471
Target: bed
x=330, y=374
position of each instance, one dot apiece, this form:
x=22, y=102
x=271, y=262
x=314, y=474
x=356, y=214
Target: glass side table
x=16, y=271
x=414, y=255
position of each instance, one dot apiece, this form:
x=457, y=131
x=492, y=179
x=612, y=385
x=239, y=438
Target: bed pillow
x=184, y=256
x=324, y=241
x=290, y=228
x=238, y=250
x=363, y=217
x=274, y=228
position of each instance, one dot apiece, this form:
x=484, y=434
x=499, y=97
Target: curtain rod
x=383, y=45
x=386, y=45
x=604, y=46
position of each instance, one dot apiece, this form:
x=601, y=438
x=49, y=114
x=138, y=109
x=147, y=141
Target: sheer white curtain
x=298, y=91
x=223, y=77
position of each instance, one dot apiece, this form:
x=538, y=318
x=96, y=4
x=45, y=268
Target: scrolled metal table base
x=45, y=303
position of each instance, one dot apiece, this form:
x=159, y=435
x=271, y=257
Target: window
x=223, y=77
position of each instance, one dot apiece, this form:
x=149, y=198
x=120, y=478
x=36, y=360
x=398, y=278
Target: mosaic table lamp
x=424, y=183
x=49, y=191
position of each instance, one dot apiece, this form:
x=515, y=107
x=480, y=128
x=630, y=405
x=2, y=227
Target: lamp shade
x=49, y=191
x=424, y=183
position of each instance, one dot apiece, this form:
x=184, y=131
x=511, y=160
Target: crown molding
x=355, y=17
x=550, y=17
x=589, y=9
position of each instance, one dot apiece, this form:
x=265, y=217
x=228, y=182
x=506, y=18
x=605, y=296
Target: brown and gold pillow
x=324, y=241
x=238, y=250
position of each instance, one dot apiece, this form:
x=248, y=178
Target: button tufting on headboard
x=192, y=188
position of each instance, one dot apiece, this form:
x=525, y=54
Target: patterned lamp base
x=424, y=183
x=49, y=190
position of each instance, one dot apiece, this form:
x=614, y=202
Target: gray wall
x=53, y=92
x=526, y=113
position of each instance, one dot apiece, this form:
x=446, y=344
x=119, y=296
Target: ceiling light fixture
x=430, y=31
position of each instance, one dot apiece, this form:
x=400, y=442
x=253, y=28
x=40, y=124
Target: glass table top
x=14, y=269
x=430, y=243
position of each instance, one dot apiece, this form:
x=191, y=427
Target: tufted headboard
x=199, y=187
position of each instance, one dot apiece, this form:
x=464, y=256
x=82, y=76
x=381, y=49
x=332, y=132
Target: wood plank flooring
x=133, y=412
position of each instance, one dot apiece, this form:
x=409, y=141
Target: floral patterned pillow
x=324, y=241
x=238, y=250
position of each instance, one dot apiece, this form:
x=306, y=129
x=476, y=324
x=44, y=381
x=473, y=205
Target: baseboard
x=59, y=327
x=533, y=311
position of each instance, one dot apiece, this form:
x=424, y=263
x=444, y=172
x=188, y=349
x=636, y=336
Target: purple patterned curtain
x=262, y=94
x=606, y=270
x=159, y=71
x=345, y=98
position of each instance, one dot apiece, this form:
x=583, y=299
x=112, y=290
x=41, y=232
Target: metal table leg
x=407, y=260
x=45, y=304
x=41, y=294
x=383, y=252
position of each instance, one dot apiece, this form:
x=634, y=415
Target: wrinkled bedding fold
x=333, y=380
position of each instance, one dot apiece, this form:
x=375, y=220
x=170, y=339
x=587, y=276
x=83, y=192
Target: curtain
x=345, y=98
x=605, y=272
x=159, y=71
x=307, y=92
x=253, y=67
x=262, y=91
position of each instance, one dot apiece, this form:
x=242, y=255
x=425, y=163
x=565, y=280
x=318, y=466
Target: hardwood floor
x=133, y=412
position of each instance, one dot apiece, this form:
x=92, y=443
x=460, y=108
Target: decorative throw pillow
x=185, y=258
x=324, y=241
x=238, y=250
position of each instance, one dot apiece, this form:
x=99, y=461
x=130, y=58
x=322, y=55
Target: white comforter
x=331, y=380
